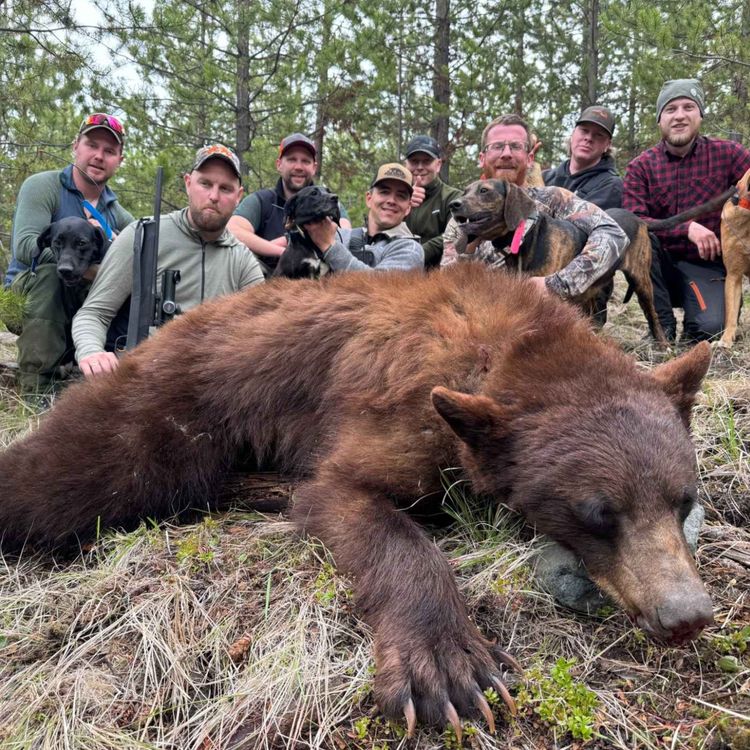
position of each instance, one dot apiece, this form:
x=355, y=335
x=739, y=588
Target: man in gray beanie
x=684, y=170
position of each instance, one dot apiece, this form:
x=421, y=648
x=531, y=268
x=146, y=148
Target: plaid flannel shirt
x=659, y=184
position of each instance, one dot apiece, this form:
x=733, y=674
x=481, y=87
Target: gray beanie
x=688, y=88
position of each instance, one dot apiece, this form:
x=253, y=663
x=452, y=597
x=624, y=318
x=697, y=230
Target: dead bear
x=364, y=385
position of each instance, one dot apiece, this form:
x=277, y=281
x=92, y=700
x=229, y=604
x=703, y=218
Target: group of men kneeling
x=408, y=224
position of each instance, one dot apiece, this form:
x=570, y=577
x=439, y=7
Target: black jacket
x=600, y=184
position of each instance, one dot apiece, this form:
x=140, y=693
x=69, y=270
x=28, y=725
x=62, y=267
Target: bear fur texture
x=364, y=385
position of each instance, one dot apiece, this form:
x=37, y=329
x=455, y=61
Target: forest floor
x=234, y=633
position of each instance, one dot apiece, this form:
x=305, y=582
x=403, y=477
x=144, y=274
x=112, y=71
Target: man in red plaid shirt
x=684, y=170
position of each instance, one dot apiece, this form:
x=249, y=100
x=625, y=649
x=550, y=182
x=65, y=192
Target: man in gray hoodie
x=193, y=240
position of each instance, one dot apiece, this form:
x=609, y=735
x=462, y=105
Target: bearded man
x=684, y=170
x=193, y=240
x=507, y=154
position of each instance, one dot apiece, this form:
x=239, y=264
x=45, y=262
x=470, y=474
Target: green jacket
x=207, y=269
x=45, y=197
x=428, y=220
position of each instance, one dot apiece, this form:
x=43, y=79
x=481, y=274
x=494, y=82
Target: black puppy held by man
x=302, y=259
x=76, y=245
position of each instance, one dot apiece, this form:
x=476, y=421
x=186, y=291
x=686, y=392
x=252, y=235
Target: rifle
x=149, y=309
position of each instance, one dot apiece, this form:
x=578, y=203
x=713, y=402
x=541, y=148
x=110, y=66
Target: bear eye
x=598, y=516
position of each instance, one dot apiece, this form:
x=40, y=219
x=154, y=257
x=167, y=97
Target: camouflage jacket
x=605, y=246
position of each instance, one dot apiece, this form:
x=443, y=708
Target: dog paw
x=438, y=678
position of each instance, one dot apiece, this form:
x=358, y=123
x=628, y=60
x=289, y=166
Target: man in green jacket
x=78, y=190
x=194, y=241
x=429, y=202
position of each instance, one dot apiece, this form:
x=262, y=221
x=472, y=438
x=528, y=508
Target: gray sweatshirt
x=207, y=269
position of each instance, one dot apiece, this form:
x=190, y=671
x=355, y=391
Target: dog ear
x=289, y=208
x=99, y=240
x=518, y=206
x=42, y=241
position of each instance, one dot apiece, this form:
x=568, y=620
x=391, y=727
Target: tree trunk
x=441, y=86
x=242, y=127
x=590, y=82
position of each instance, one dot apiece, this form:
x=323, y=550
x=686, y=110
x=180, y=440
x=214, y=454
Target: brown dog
x=735, y=252
x=492, y=209
x=368, y=385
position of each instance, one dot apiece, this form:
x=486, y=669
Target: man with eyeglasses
x=506, y=154
x=78, y=190
x=194, y=241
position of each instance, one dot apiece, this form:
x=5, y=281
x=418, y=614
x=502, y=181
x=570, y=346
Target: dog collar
x=515, y=243
x=744, y=202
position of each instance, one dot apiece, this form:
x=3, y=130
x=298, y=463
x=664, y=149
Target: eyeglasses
x=100, y=118
x=499, y=146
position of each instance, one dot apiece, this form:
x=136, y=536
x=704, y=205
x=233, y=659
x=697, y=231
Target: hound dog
x=494, y=209
x=735, y=252
x=302, y=259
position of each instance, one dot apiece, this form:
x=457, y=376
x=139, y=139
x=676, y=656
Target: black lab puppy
x=76, y=245
x=301, y=259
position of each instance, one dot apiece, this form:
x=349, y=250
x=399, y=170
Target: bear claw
x=484, y=707
x=452, y=715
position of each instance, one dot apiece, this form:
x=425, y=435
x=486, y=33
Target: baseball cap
x=297, y=139
x=425, y=144
x=681, y=88
x=217, y=151
x=599, y=115
x=98, y=120
x=393, y=171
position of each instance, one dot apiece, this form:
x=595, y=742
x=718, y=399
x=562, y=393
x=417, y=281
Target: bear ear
x=680, y=378
x=42, y=241
x=518, y=206
x=475, y=419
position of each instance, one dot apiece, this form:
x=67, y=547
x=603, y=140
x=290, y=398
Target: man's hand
x=417, y=196
x=90, y=273
x=322, y=233
x=540, y=283
x=97, y=364
x=708, y=244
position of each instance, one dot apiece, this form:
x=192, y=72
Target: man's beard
x=508, y=172
x=292, y=188
x=207, y=222
x=680, y=139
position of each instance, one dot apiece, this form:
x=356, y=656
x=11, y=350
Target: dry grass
x=233, y=633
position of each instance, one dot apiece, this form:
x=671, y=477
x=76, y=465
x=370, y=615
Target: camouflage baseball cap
x=599, y=115
x=393, y=171
x=217, y=151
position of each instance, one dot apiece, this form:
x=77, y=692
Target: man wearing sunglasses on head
x=79, y=190
x=507, y=154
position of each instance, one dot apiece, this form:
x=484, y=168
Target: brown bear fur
x=365, y=385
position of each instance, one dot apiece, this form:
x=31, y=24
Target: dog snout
x=68, y=274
